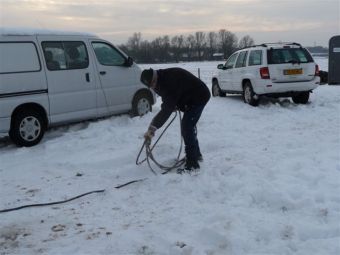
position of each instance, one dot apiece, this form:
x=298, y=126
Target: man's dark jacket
x=179, y=89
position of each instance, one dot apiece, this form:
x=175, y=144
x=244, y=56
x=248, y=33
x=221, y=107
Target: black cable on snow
x=70, y=199
x=51, y=203
x=149, y=156
x=130, y=182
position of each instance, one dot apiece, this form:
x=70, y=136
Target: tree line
x=193, y=47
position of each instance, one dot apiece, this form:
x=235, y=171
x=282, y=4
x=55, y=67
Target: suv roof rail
x=251, y=46
x=280, y=43
x=272, y=44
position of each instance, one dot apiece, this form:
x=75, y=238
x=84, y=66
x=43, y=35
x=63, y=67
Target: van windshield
x=289, y=55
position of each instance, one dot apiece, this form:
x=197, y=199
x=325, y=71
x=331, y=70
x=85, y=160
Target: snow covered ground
x=269, y=184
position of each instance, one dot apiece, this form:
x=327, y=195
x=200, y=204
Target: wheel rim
x=216, y=90
x=143, y=106
x=247, y=94
x=30, y=128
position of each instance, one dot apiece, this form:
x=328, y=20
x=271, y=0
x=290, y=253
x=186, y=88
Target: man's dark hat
x=146, y=77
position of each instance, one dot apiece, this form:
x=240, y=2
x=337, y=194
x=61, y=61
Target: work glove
x=150, y=133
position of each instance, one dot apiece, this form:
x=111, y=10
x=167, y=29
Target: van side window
x=18, y=57
x=65, y=55
x=255, y=58
x=108, y=55
x=241, y=60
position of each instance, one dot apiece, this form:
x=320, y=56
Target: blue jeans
x=189, y=131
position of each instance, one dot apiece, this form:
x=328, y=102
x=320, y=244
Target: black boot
x=190, y=166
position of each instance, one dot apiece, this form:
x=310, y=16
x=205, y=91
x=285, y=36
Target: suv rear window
x=288, y=55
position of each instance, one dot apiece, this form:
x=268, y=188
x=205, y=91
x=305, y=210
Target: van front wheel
x=27, y=128
x=141, y=104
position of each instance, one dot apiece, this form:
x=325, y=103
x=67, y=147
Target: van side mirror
x=128, y=62
x=221, y=66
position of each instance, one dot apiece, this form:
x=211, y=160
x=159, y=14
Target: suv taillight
x=317, y=70
x=264, y=72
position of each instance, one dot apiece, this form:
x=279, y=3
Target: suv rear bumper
x=283, y=94
x=269, y=87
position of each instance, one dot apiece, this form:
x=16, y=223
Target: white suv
x=271, y=69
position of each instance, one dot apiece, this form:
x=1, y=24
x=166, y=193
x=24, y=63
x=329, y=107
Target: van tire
x=141, y=104
x=249, y=95
x=27, y=128
x=301, y=98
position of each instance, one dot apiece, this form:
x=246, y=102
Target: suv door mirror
x=220, y=66
x=128, y=62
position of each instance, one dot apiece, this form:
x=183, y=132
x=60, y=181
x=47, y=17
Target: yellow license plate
x=292, y=71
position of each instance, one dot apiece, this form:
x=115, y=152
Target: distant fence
x=320, y=55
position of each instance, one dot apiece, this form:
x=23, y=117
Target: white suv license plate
x=293, y=71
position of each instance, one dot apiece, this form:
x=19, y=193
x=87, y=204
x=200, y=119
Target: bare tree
x=165, y=48
x=197, y=46
x=228, y=42
x=161, y=47
x=177, y=44
x=190, y=45
x=200, y=44
x=212, y=43
x=245, y=41
x=134, y=41
x=145, y=52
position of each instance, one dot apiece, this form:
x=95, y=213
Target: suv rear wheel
x=249, y=96
x=216, y=90
x=301, y=98
x=27, y=128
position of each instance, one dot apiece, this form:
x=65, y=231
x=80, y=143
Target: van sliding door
x=71, y=83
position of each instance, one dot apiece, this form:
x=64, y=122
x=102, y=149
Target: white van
x=49, y=78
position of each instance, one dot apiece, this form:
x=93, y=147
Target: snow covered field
x=269, y=184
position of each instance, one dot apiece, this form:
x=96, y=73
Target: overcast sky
x=310, y=22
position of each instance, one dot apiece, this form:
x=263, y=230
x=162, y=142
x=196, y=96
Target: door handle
x=102, y=72
x=87, y=76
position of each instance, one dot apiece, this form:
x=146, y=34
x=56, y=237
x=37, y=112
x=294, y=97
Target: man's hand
x=150, y=133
